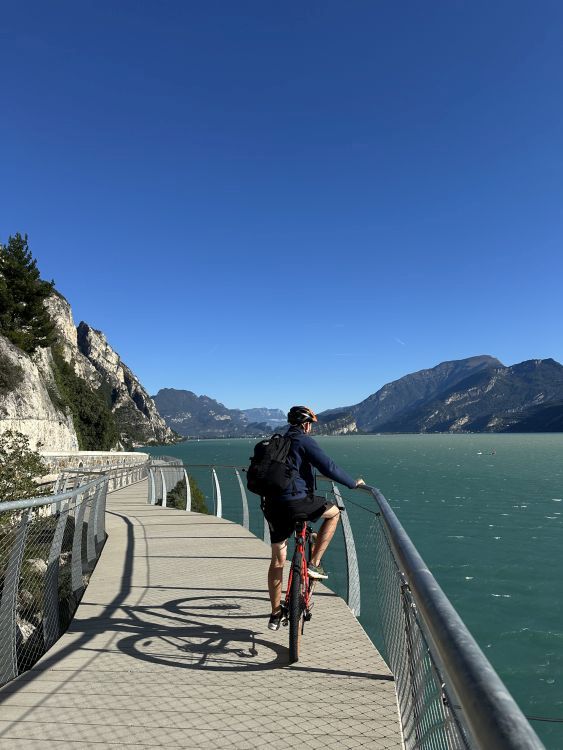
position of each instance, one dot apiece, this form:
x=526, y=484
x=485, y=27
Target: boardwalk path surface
x=170, y=648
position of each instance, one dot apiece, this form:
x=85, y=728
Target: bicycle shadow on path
x=190, y=637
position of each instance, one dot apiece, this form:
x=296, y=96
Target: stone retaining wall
x=95, y=460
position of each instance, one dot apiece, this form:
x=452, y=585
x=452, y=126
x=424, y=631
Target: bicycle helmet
x=300, y=415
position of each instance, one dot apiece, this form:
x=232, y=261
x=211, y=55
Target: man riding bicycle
x=299, y=499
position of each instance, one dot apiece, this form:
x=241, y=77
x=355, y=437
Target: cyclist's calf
x=275, y=573
x=325, y=534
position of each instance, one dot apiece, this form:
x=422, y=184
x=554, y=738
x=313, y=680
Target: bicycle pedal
x=307, y=615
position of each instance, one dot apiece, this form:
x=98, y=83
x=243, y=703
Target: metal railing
x=49, y=546
x=449, y=696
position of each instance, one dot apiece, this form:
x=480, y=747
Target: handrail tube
x=37, y=502
x=105, y=470
x=493, y=717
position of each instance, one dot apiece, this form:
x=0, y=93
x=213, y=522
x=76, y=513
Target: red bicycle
x=296, y=609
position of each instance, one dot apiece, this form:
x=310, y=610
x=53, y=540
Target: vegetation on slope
x=91, y=413
x=19, y=465
x=176, y=498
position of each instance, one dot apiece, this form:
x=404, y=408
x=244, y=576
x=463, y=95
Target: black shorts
x=280, y=514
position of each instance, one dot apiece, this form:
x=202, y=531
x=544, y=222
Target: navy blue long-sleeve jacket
x=306, y=454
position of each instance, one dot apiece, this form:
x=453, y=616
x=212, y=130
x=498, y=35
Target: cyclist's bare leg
x=275, y=574
x=325, y=534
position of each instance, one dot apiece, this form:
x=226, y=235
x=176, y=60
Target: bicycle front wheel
x=295, y=616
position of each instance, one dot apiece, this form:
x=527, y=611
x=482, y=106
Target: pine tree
x=23, y=316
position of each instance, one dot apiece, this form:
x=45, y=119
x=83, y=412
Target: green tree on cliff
x=23, y=317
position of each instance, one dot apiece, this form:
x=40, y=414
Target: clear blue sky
x=273, y=203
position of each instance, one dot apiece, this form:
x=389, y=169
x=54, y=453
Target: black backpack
x=270, y=473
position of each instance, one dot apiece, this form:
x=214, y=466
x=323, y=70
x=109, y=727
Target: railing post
x=164, y=492
x=219, y=505
x=101, y=513
x=51, y=624
x=152, y=487
x=76, y=562
x=8, y=658
x=57, y=484
x=91, y=538
x=188, y=492
x=354, y=597
x=245, y=522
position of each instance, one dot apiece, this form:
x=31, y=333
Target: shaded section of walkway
x=170, y=648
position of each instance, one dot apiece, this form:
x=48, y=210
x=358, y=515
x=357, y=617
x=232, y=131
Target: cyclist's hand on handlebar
x=359, y=482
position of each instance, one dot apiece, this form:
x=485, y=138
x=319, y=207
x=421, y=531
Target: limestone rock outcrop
x=30, y=401
x=135, y=411
x=27, y=407
x=67, y=339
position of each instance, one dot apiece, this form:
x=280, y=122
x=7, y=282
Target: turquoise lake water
x=485, y=513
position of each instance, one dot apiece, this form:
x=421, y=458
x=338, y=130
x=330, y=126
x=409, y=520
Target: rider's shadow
x=200, y=640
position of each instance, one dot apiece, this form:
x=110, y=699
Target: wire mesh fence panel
x=389, y=616
x=31, y=601
x=12, y=545
x=51, y=617
x=38, y=600
x=48, y=549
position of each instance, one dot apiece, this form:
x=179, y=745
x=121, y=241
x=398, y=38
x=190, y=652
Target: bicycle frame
x=304, y=538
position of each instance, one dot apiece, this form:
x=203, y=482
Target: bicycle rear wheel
x=295, y=615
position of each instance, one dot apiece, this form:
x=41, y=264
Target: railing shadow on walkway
x=189, y=644
x=173, y=635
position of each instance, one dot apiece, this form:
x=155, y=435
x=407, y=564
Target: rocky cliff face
x=336, y=424
x=30, y=401
x=135, y=411
x=61, y=314
x=25, y=400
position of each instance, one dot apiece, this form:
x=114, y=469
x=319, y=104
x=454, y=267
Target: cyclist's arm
x=319, y=459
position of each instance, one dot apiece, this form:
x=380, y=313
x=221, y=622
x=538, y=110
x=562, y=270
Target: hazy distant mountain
x=201, y=416
x=273, y=417
x=470, y=395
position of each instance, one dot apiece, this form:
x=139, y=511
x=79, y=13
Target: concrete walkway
x=170, y=648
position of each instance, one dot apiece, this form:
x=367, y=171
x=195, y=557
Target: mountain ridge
x=201, y=416
x=470, y=395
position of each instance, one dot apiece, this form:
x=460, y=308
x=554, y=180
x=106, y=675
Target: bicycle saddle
x=300, y=517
